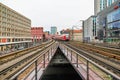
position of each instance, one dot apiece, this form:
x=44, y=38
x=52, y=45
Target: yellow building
x=14, y=28
x=76, y=35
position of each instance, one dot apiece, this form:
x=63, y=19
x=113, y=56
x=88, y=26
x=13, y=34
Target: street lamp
x=72, y=33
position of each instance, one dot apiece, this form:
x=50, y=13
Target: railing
x=39, y=64
x=86, y=67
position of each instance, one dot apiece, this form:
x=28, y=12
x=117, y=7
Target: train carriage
x=63, y=37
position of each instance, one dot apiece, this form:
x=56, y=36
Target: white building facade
x=89, y=29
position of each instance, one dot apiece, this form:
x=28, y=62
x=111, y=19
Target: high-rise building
x=108, y=22
x=96, y=6
x=109, y=2
x=99, y=5
x=14, y=28
x=53, y=30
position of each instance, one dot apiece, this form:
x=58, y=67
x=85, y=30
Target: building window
x=113, y=33
x=113, y=16
x=114, y=25
x=109, y=2
x=8, y=40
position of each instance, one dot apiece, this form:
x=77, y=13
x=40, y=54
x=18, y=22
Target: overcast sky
x=46, y=13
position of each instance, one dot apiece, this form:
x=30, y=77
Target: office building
x=109, y=2
x=14, y=28
x=109, y=23
x=100, y=5
x=90, y=29
x=53, y=30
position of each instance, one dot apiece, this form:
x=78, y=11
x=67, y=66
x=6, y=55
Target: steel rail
x=24, y=60
x=83, y=55
x=13, y=76
x=6, y=58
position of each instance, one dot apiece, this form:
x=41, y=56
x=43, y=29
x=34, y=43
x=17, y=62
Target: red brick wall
x=37, y=32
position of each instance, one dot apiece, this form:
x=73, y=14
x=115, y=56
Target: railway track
x=29, y=70
x=113, y=66
x=8, y=57
x=9, y=69
x=107, y=52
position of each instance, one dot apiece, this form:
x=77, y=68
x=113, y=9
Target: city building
x=110, y=2
x=37, y=34
x=53, y=30
x=15, y=29
x=100, y=5
x=76, y=35
x=109, y=23
x=90, y=29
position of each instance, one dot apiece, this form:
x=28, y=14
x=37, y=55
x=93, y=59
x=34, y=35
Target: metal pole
x=77, y=60
x=71, y=55
x=44, y=61
x=83, y=29
x=51, y=52
x=64, y=49
x=72, y=33
x=36, y=70
x=67, y=51
x=48, y=55
x=87, y=70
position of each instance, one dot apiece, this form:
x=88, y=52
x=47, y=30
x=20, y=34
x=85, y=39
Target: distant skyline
x=46, y=13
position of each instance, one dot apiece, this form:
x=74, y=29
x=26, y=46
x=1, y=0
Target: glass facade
x=114, y=34
x=113, y=16
x=114, y=0
x=108, y=22
x=53, y=30
x=94, y=26
x=113, y=26
x=113, y=19
x=103, y=4
x=109, y=2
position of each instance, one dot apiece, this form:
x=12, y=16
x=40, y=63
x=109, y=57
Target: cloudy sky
x=60, y=13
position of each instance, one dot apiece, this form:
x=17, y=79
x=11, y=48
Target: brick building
x=37, y=34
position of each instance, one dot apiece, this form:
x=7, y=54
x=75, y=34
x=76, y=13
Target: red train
x=63, y=37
